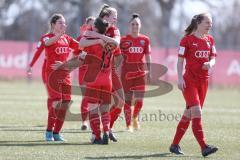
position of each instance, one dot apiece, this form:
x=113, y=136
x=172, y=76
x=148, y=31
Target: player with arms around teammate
x=198, y=50
x=109, y=14
x=135, y=48
x=112, y=35
x=99, y=84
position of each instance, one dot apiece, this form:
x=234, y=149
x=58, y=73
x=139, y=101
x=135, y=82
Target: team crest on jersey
x=142, y=42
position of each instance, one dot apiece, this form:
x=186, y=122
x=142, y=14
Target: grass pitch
x=24, y=112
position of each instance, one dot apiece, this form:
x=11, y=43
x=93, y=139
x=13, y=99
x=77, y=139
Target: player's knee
x=128, y=103
x=56, y=103
x=187, y=114
x=128, y=97
x=196, y=112
x=139, y=94
x=104, y=108
x=66, y=104
x=93, y=108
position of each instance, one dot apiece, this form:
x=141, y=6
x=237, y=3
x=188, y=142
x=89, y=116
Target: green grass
x=24, y=112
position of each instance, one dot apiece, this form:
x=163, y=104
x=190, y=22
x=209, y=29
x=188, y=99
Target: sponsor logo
x=10, y=61
x=195, y=44
x=135, y=50
x=61, y=50
x=234, y=68
x=202, y=54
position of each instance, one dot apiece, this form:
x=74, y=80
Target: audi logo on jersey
x=135, y=50
x=62, y=50
x=202, y=54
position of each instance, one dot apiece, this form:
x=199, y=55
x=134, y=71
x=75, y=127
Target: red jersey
x=97, y=62
x=114, y=32
x=59, y=51
x=77, y=52
x=40, y=48
x=196, y=51
x=134, y=50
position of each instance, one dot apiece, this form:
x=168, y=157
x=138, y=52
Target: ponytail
x=106, y=11
x=196, y=20
x=134, y=16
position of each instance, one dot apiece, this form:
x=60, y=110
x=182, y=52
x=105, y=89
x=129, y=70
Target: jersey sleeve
x=37, y=53
x=77, y=52
x=183, y=47
x=213, y=51
x=73, y=44
x=45, y=38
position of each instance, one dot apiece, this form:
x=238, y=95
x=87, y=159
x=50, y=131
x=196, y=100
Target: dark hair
x=134, y=16
x=101, y=25
x=88, y=19
x=197, y=19
x=106, y=11
x=54, y=19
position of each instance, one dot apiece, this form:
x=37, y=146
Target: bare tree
x=166, y=13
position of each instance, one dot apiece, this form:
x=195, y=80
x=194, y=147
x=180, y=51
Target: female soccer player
x=110, y=15
x=99, y=85
x=82, y=70
x=57, y=48
x=112, y=35
x=197, y=48
x=134, y=47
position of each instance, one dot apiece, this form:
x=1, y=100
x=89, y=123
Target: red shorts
x=100, y=90
x=59, y=85
x=136, y=83
x=195, y=91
